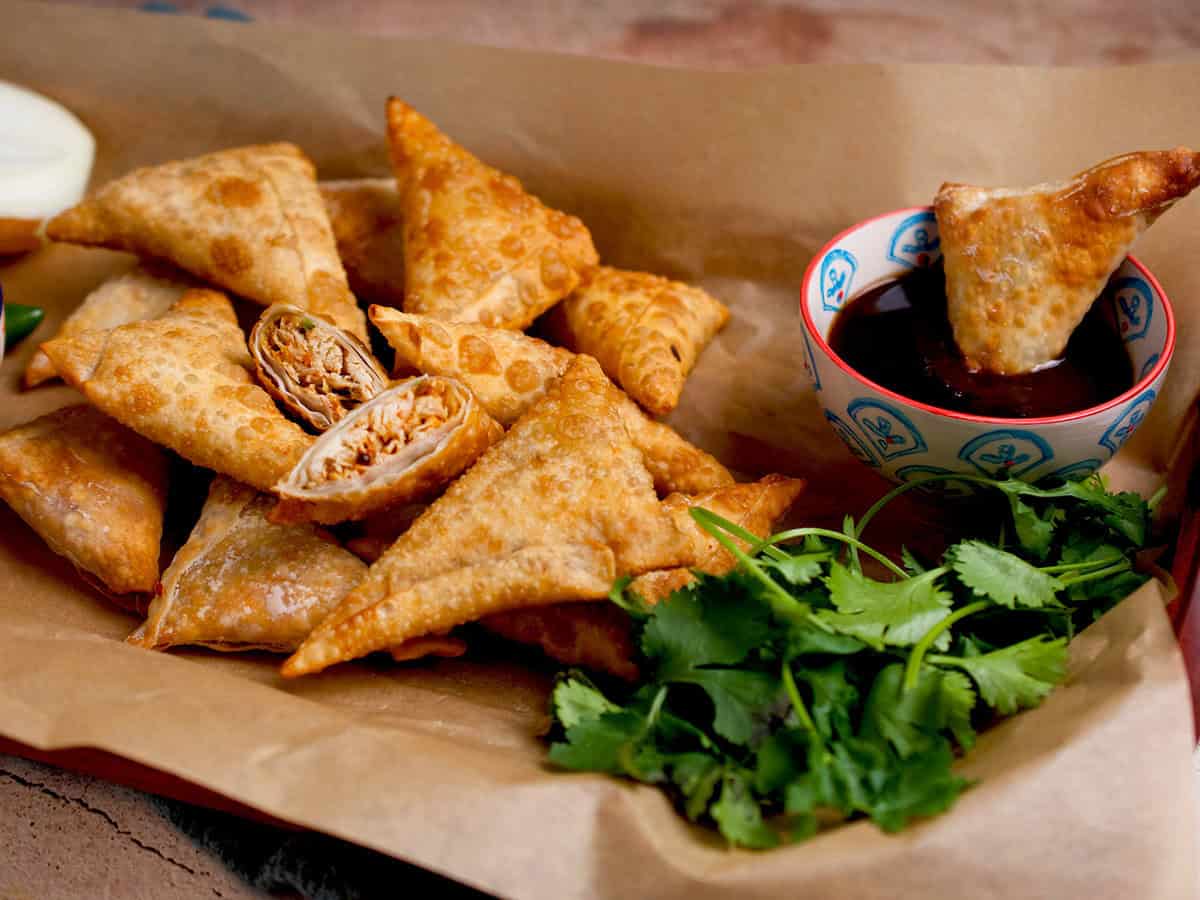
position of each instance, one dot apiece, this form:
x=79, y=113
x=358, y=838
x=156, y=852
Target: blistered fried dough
x=369, y=230
x=477, y=247
x=645, y=331
x=402, y=446
x=1024, y=265
x=92, y=489
x=139, y=294
x=509, y=372
x=597, y=635
x=316, y=370
x=243, y=583
x=184, y=381
x=249, y=219
x=562, y=502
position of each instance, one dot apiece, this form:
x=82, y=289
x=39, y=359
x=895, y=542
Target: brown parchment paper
x=729, y=179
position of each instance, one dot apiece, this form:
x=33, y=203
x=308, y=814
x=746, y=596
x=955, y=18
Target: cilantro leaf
x=923, y=786
x=910, y=562
x=703, y=624
x=797, y=569
x=606, y=743
x=575, y=700
x=832, y=698
x=742, y=700
x=912, y=719
x=805, y=640
x=738, y=815
x=697, y=776
x=1002, y=577
x=1035, y=531
x=884, y=612
x=1015, y=677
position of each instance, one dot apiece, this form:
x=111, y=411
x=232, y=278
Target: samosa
x=555, y=511
x=141, y=293
x=645, y=331
x=93, y=490
x=598, y=635
x=243, y=583
x=478, y=248
x=368, y=226
x=1024, y=265
x=510, y=371
x=184, y=381
x=249, y=219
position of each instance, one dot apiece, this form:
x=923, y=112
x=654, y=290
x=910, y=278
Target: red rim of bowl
x=1140, y=385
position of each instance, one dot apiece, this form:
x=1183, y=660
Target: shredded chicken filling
x=321, y=372
x=402, y=429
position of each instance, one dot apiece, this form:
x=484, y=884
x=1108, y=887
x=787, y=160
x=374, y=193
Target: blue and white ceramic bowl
x=908, y=440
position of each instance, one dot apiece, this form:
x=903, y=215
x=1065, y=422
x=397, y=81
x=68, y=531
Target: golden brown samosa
x=1023, y=265
x=645, y=331
x=553, y=512
x=367, y=225
x=243, y=583
x=478, y=248
x=141, y=293
x=510, y=371
x=184, y=381
x=397, y=448
x=249, y=219
x=598, y=635
x=314, y=369
x=94, y=490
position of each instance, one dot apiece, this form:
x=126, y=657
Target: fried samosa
x=243, y=583
x=598, y=635
x=644, y=330
x=369, y=229
x=313, y=368
x=399, y=447
x=92, y=489
x=250, y=219
x=141, y=293
x=1023, y=266
x=510, y=371
x=478, y=248
x=553, y=512
x=184, y=381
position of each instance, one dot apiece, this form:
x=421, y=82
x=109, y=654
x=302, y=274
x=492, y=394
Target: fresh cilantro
x=797, y=690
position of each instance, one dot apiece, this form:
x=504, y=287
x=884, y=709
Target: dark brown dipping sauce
x=897, y=335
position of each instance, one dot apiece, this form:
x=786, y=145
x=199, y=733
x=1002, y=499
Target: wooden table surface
x=65, y=835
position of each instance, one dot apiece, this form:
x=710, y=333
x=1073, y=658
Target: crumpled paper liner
x=729, y=179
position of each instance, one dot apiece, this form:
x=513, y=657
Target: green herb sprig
x=798, y=690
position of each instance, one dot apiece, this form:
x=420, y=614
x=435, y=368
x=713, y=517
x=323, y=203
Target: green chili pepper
x=21, y=320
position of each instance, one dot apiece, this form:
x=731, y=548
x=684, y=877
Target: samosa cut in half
x=243, y=583
x=398, y=448
x=554, y=512
x=139, y=294
x=509, y=372
x=185, y=381
x=599, y=635
x=646, y=331
x=315, y=370
x=368, y=225
x=93, y=490
x=478, y=248
x=250, y=220
x=1024, y=265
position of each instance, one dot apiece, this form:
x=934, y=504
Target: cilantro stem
x=1156, y=498
x=1116, y=569
x=837, y=536
x=913, y=667
x=1086, y=564
x=757, y=544
x=625, y=754
x=782, y=603
x=789, y=685
x=865, y=519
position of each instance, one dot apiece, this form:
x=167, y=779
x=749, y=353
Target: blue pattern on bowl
x=837, y=276
x=1006, y=451
x=888, y=431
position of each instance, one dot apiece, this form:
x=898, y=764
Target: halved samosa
x=250, y=219
x=478, y=248
x=184, y=381
x=316, y=370
x=94, y=490
x=646, y=331
x=553, y=512
x=141, y=293
x=400, y=447
x=1023, y=265
x=598, y=635
x=243, y=583
x=369, y=229
x=510, y=371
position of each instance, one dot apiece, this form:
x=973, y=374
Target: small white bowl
x=908, y=440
